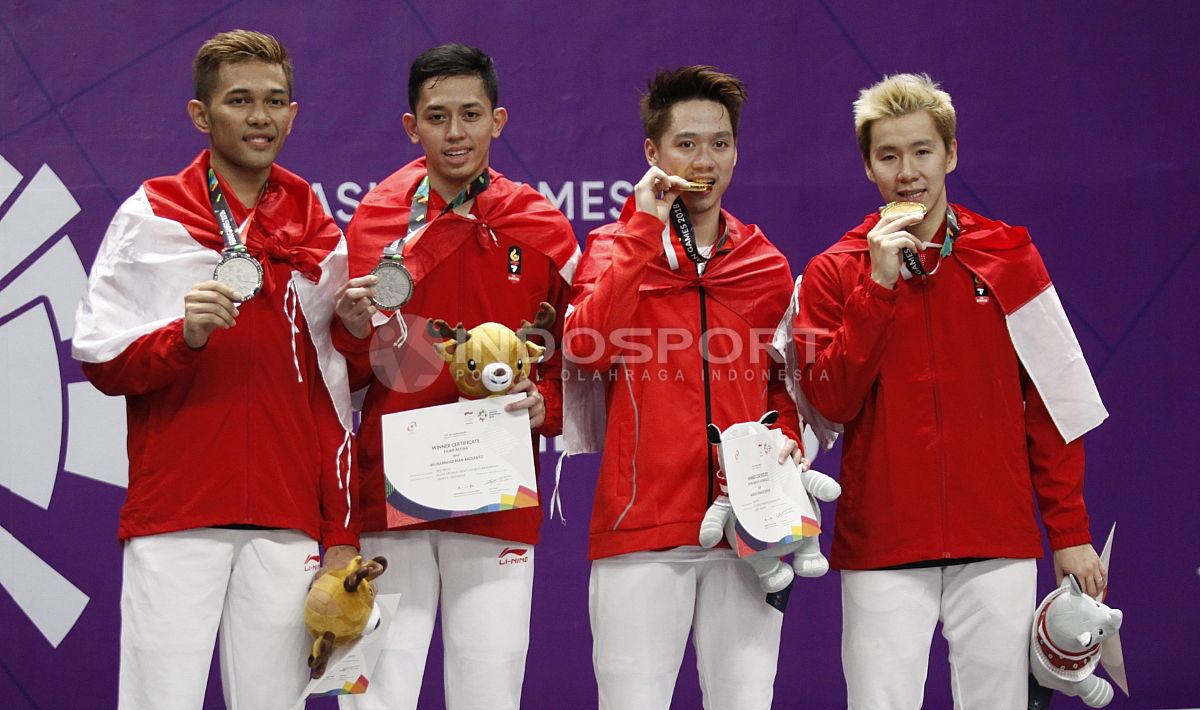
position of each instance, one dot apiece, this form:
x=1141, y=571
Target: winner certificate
x=458, y=459
x=769, y=500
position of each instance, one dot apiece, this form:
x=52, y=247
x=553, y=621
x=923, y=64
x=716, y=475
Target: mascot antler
x=439, y=328
x=542, y=321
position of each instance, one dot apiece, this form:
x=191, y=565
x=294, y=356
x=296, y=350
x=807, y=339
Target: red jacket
x=244, y=430
x=636, y=329
x=945, y=433
x=461, y=269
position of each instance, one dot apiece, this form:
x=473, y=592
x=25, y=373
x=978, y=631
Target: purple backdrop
x=1075, y=121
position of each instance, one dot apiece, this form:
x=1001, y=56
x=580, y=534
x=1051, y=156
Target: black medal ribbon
x=224, y=215
x=682, y=222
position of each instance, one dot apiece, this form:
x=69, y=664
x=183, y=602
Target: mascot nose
x=1115, y=617
x=497, y=376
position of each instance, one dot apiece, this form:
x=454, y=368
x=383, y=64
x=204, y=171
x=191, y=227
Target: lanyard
x=682, y=222
x=224, y=215
x=419, y=209
x=912, y=260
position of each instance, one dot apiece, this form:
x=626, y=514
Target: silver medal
x=240, y=272
x=395, y=286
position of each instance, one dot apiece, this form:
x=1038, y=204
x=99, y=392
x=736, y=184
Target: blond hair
x=899, y=95
x=232, y=48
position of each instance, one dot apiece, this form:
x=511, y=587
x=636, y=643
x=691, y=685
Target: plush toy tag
x=769, y=501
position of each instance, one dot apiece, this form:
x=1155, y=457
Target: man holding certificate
x=446, y=237
x=942, y=349
x=673, y=311
x=208, y=308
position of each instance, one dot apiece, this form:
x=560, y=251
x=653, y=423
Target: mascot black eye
x=471, y=364
x=520, y=364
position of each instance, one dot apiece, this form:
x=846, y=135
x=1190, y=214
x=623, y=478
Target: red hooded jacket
x=636, y=329
x=461, y=268
x=945, y=433
x=244, y=430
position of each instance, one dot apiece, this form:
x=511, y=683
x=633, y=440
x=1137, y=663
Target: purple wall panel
x=1075, y=120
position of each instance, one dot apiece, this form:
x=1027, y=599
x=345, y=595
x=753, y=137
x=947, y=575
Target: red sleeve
x=840, y=340
x=606, y=290
x=148, y=363
x=549, y=373
x=1057, y=471
x=338, y=484
x=357, y=352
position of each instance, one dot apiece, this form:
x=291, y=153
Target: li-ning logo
x=312, y=562
x=41, y=281
x=513, y=556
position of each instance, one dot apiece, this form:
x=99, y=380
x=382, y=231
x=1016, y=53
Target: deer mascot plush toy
x=487, y=360
x=338, y=606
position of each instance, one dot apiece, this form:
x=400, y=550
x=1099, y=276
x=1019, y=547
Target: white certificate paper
x=768, y=498
x=465, y=458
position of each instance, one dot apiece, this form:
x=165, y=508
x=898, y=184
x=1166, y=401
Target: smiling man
x=479, y=248
x=672, y=310
x=943, y=351
x=208, y=308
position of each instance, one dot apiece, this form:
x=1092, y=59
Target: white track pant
x=644, y=604
x=888, y=618
x=178, y=588
x=485, y=587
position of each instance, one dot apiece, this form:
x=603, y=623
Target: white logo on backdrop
x=37, y=318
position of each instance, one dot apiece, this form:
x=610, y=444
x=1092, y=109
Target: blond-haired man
x=942, y=350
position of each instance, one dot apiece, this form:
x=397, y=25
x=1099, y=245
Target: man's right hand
x=208, y=306
x=885, y=242
x=352, y=303
x=655, y=192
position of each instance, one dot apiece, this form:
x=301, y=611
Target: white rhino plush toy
x=719, y=521
x=1065, y=642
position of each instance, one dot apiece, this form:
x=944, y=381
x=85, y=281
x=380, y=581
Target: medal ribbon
x=912, y=260
x=224, y=215
x=419, y=210
x=682, y=222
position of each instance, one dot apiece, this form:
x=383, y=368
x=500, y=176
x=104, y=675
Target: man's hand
x=533, y=402
x=655, y=192
x=208, y=306
x=352, y=303
x=1083, y=562
x=791, y=448
x=885, y=242
x=336, y=558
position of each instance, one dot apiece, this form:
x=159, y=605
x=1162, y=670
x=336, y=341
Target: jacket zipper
x=937, y=409
x=707, y=392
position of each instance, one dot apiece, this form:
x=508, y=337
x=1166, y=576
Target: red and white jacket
x=639, y=311
x=253, y=428
x=462, y=271
x=958, y=392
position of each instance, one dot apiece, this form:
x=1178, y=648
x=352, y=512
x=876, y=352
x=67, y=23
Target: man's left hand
x=1083, y=562
x=533, y=402
x=791, y=448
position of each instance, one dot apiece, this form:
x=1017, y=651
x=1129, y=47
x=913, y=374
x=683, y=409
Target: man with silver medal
x=239, y=414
